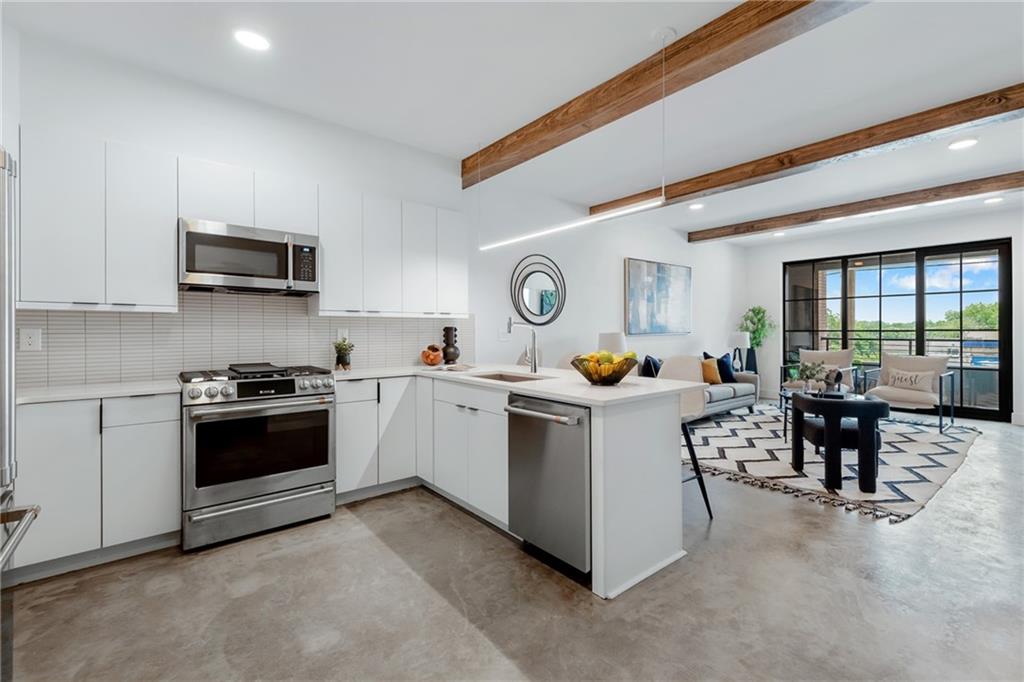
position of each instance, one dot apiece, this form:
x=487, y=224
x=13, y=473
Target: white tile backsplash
x=210, y=331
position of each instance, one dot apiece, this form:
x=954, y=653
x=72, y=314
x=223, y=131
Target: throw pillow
x=913, y=381
x=651, y=367
x=724, y=367
x=709, y=370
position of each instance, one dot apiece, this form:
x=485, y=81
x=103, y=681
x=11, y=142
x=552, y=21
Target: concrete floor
x=407, y=586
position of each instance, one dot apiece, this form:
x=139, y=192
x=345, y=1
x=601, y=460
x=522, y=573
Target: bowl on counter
x=603, y=374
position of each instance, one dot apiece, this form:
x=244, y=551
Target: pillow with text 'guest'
x=912, y=381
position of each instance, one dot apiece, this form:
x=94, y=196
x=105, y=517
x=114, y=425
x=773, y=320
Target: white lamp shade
x=739, y=340
x=614, y=342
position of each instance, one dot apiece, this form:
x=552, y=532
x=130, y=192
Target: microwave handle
x=291, y=263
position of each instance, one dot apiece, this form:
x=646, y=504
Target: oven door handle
x=257, y=407
x=202, y=516
x=24, y=516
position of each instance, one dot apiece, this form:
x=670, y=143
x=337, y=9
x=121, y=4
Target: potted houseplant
x=343, y=353
x=758, y=323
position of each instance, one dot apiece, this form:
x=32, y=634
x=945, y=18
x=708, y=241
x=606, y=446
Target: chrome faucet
x=531, y=352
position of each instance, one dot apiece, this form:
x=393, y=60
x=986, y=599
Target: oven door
x=215, y=254
x=234, y=452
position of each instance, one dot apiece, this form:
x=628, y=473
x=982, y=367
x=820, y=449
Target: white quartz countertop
x=566, y=385
x=52, y=394
x=556, y=384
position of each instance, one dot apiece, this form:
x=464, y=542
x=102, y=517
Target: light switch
x=30, y=339
x=503, y=333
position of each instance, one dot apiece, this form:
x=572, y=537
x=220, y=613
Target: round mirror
x=538, y=289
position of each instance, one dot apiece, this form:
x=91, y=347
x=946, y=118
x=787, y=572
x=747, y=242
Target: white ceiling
x=445, y=77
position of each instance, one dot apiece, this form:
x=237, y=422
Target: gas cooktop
x=254, y=381
x=253, y=370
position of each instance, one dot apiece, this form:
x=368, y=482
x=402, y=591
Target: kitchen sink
x=511, y=378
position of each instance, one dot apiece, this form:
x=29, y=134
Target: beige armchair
x=942, y=387
x=715, y=398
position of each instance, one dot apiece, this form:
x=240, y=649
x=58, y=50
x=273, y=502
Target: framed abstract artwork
x=659, y=298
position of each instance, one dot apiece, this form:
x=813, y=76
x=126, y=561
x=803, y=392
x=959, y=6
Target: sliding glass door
x=952, y=301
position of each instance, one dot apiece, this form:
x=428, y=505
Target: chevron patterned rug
x=915, y=461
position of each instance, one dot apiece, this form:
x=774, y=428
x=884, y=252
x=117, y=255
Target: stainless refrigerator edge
x=14, y=521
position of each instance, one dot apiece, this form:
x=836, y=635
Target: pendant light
x=666, y=35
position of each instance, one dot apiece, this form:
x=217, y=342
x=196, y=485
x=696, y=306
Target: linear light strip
x=589, y=220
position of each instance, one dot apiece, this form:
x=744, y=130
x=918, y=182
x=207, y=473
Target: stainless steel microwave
x=215, y=255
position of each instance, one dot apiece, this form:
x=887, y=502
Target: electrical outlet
x=503, y=333
x=30, y=339
x=342, y=334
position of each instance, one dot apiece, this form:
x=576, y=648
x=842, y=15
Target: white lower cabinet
x=58, y=451
x=141, y=481
x=356, y=445
x=487, y=463
x=450, y=449
x=425, y=428
x=396, y=423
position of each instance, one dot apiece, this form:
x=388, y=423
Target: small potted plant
x=343, y=353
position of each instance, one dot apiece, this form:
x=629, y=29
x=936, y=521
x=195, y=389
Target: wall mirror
x=537, y=289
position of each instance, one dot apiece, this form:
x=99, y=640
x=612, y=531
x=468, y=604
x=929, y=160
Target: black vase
x=450, y=352
x=751, y=364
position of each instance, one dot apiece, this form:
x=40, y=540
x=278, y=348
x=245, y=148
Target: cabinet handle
x=101, y=416
x=473, y=409
x=125, y=304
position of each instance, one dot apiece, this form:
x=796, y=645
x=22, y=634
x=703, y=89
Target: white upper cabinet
x=215, y=191
x=419, y=258
x=287, y=203
x=452, y=262
x=382, y=254
x=141, y=243
x=341, y=249
x=62, y=218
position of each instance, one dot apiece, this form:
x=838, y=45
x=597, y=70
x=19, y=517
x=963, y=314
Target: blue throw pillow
x=724, y=367
x=650, y=367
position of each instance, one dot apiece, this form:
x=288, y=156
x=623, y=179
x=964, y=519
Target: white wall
x=764, y=271
x=592, y=260
x=63, y=88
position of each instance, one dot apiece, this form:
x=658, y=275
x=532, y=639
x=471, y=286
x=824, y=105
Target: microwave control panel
x=304, y=263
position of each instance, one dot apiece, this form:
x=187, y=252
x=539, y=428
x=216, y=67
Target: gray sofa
x=715, y=398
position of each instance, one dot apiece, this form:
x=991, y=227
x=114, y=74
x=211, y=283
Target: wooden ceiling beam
x=995, y=183
x=739, y=34
x=992, y=107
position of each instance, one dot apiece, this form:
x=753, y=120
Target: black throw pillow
x=650, y=367
x=724, y=367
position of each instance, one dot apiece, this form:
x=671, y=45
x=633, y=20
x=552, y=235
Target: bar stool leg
x=696, y=468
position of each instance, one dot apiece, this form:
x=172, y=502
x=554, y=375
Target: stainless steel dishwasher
x=549, y=477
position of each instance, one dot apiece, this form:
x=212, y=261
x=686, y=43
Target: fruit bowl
x=606, y=373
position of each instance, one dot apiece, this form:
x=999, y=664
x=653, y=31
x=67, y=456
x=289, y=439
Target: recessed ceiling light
x=696, y=207
x=993, y=200
x=778, y=234
x=965, y=143
x=253, y=41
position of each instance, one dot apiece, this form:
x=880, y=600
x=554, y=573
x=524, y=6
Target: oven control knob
x=227, y=391
x=328, y=383
x=316, y=383
x=303, y=384
x=212, y=392
x=195, y=393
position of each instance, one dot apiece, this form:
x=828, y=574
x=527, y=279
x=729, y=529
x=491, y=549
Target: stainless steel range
x=257, y=450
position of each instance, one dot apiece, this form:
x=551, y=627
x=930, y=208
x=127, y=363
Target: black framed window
x=950, y=300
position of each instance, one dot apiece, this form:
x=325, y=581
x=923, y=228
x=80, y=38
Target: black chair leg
x=696, y=468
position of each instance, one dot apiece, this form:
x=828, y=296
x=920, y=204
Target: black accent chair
x=839, y=424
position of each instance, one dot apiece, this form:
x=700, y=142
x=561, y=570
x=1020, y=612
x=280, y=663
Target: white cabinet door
x=487, y=463
x=396, y=422
x=62, y=218
x=425, y=428
x=59, y=469
x=208, y=190
x=419, y=258
x=141, y=481
x=452, y=262
x=356, y=452
x=450, y=448
x=341, y=249
x=142, y=226
x=382, y=254
x=287, y=203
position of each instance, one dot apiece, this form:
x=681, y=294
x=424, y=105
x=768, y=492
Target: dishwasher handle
x=557, y=419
